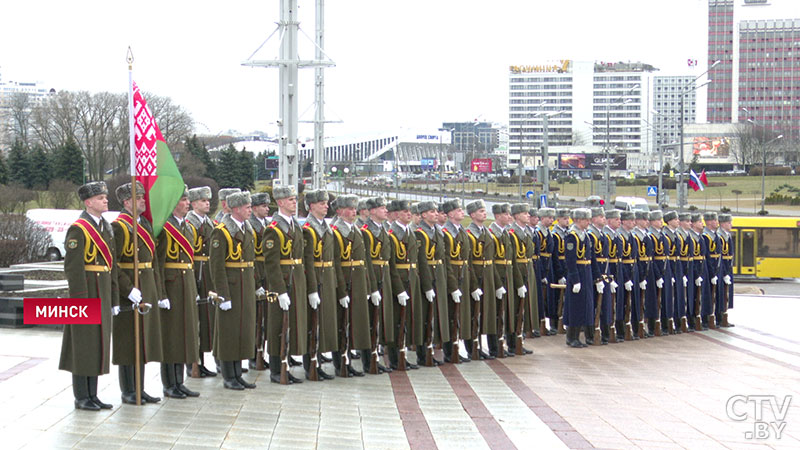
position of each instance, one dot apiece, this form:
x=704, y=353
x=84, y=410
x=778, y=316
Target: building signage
x=427, y=163
x=561, y=67
x=481, y=165
x=591, y=161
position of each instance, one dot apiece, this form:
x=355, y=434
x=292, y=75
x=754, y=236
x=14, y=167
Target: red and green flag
x=152, y=164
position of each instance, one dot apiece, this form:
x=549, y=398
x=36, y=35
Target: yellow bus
x=767, y=247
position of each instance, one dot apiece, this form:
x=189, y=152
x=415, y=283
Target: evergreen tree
x=3, y=170
x=38, y=169
x=199, y=150
x=245, y=169
x=18, y=170
x=228, y=159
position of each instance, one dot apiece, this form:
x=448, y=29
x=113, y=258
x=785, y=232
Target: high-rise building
x=667, y=103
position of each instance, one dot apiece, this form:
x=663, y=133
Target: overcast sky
x=407, y=63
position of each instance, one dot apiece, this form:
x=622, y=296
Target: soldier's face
x=501, y=219
x=415, y=218
x=430, y=216
x=392, y=216
x=727, y=226
x=347, y=214
x=288, y=205
x=673, y=223
x=404, y=216
x=685, y=224
x=713, y=224
x=563, y=222
x=456, y=215
x=201, y=206
x=181, y=208
x=613, y=222
x=261, y=211
x=657, y=224
x=628, y=224
x=441, y=217
x=547, y=221
x=523, y=218
x=97, y=204
x=533, y=220
x=641, y=223
x=599, y=221
x=319, y=209
x=242, y=213
x=697, y=226
x=140, y=205
x=582, y=223
x=479, y=216
x=379, y=214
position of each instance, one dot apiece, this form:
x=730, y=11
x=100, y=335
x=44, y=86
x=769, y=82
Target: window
x=778, y=242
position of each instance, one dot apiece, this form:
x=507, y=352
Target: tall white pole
x=287, y=125
x=319, y=100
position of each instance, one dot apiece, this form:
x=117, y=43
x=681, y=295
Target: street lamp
x=607, y=171
x=546, y=150
x=661, y=171
x=441, y=162
x=346, y=170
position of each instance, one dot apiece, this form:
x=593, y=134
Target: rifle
x=476, y=331
x=401, y=338
x=612, y=331
x=285, y=348
x=344, y=344
x=642, y=295
x=698, y=318
x=501, y=328
x=195, y=365
x=429, y=344
x=261, y=324
x=658, y=311
x=684, y=320
x=560, y=319
x=520, y=321
x=712, y=320
x=455, y=335
x=312, y=346
x=376, y=320
x=725, y=299
x=628, y=325
x=597, y=308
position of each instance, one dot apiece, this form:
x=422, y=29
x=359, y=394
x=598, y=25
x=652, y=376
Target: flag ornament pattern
x=696, y=182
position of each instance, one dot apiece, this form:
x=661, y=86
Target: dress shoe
x=485, y=355
x=353, y=372
x=537, y=334
x=293, y=363
x=101, y=404
x=324, y=375
x=187, y=391
x=275, y=378
x=86, y=404
x=552, y=332
x=245, y=369
x=411, y=366
x=384, y=369
x=235, y=385
x=292, y=378
x=148, y=398
x=323, y=359
x=355, y=355
x=173, y=392
x=204, y=372
x=525, y=351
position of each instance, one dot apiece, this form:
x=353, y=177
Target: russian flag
x=697, y=182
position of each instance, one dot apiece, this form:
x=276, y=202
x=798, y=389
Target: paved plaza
x=668, y=392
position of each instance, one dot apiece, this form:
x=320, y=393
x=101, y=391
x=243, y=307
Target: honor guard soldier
x=460, y=281
x=726, y=273
x=290, y=274
x=685, y=256
x=645, y=262
x=699, y=309
x=505, y=267
x=415, y=218
x=713, y=247
x=659, y=287
x=582, y=279
x=411, y=266
x=679, y=282
x=628, y=250
x=558, y=259
x=200, y=200
x=611, y=233
x=600, y=249
x=441, y=217
x=487, y=280
x=546, y=267
x=232, y=258
x=324, y=331
x=526, y=304
x=362, y=214
x=379, y=245
x=223, y=202
x=437, y=324
x=149, y=291
x=179, y=322
x=89, y=268
x=537, y=328
x=258, y=220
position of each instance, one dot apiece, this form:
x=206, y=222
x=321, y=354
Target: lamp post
x=346, y=170
x=334, y=169
x=441, y=162
x=607, y=159
x=661, y=171
x=763, y=160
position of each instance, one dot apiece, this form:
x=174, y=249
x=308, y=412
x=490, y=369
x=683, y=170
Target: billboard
x=427, y=163
x=481, y=165
x=591, y=161
x=271, y=163
x=711, y=147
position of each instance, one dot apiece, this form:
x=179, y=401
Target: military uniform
x=726, y=270
x=628, y=268
x=615, y=271
x=203, y=227
x=713, y=257
x=677, y=296
x=523, y=255
x=259, y=271
x=644, y=260
x=487, y=280
x=546, y=265
x=384, y=272
x=326, y=260
x=578, y=309
x=558, y=262
x=685, y=254
x=460, y=276
x=432, y=245
x=660, y=269
x=600, y=249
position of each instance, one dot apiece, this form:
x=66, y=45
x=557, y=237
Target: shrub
x=13, y=198
x=22, y=240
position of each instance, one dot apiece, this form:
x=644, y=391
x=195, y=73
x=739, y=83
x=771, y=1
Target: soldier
x=290, y=274
x=415, y=217
x=441, y=217
x=726, y=268
x=200, y=200
x=487, y=280
x=379, y=244
x=179, y=322
x=558, y=259
x=628, y=250
x=149, y=291
x=684, y=314
x=610, y=231
x=679, y=282
x=526, y=303
x=644, y=260
x=659, y=289
x=700, y=271
x=363, y=214
x=581, y=275
x=232, y=259
x=600, y=249
x=413, y=279
x=223, y=203
x=547, y=267
x=319, y=236
x=431, y=243
x=258, y=220
x=537, y=322
x=90, y=271
x=506, y=268
x=713, y=264
x=460, y=279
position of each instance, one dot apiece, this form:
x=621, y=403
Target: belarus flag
x=697, y=182
x=152, y=163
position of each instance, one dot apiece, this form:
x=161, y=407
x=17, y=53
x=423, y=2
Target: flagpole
x=137, y=367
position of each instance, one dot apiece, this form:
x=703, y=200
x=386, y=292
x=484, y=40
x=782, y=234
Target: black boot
x=323, y=359
x=127, y=385
x=168, y=381
x=92, y=384
x=80, y=389
x=491, y=340
x=420, y=355
x=321, y=375
x=393, y=358
x=589, y=334
x=179, y=382
x=237, y=366
x=604, y=332
x=447, y=350
x=573, y=337
x=651, y=327
x=620, y=327
x=274, y=370
x=228, y=371
x=147, y=398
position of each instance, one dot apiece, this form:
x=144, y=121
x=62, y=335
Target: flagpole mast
x=137, y=367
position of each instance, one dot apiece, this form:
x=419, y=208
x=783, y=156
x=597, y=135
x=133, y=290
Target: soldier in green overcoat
x=91, y=273
x=431, y=243
x=148, y=290
x=258, y=220
x=200, y=199
x=525, y=293
x=232, y=260
x=507, y=269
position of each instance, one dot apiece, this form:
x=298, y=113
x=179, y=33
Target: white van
x=631, y=204
x=56, y=222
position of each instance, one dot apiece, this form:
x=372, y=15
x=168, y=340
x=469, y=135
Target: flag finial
x=129, y=57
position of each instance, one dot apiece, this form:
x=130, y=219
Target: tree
x=18, y=117
x=67, y=163
x=752, y=141
x=39, y=172
x=3, y=170
x=228, y=159
x=63, y=193
x=246, y=168
x=18, y=163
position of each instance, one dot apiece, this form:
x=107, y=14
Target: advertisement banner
x=591, y=161
x=711, y=147
x=481, y=165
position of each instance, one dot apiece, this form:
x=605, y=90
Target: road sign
x=543, y=201
x=652, y=191
x=529, y=194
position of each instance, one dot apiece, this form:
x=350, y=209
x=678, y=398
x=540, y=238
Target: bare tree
x=17, y=118
x=751, y=142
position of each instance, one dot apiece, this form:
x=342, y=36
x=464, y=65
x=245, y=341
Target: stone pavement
x=668, y=392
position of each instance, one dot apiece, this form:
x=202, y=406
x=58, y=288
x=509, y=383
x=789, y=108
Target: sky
x=410, y=63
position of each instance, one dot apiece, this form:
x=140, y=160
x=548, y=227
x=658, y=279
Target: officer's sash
x=143, y=234
x=96, y=238
x=178, y=237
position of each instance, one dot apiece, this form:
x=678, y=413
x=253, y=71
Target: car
x=631, y=204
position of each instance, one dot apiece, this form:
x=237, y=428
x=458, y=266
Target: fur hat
x=670, y=215
x=400, y=205
x=91, y=189
x=533, y=212
x=655, y=215
x=613, y=214
x=282, y=192
x=425, y=206
x=261, y=198
x=475, y=206
x=517, y=208
x=345, y=201
x=581, y=213
x=500, y=208
x=725, y=218
x=414, y=209
x=598, y=212
x=375, y=202
x=641, y=215
x=238, y=199
x=710, y=215
x=697, y=217
x=125, y=191
x=627, y=215
x=200, y=193
x=685, y=216
x=185, y=191
x=315, y=196
x=450, y=205
x=362, y=204
x=547, y=212
x=225, y=192
x=562, y=212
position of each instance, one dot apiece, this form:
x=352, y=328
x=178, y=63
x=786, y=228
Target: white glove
x=544, y=280
x=164, y=304
x=284, y=301
x=376, y=298
x=114, y=310
x=429, y=294
x=698, y=281
x=629, y=285
x=345, y=301
x=456, y=296
x=660, y=283
x=600, y=286
x=714, y=280
x=260, y=292
x=476, y=294
x=562, y=280
x=226, y=305
x=402, y=298
x=685, y=281
x=727, y=279
x=643, y=284
x=135, y=296
x=313, y=300
x=500, y=292
x=613, y=286
x=197, y=299
x=673, y=280
x=576, y=288
x=522, y=290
